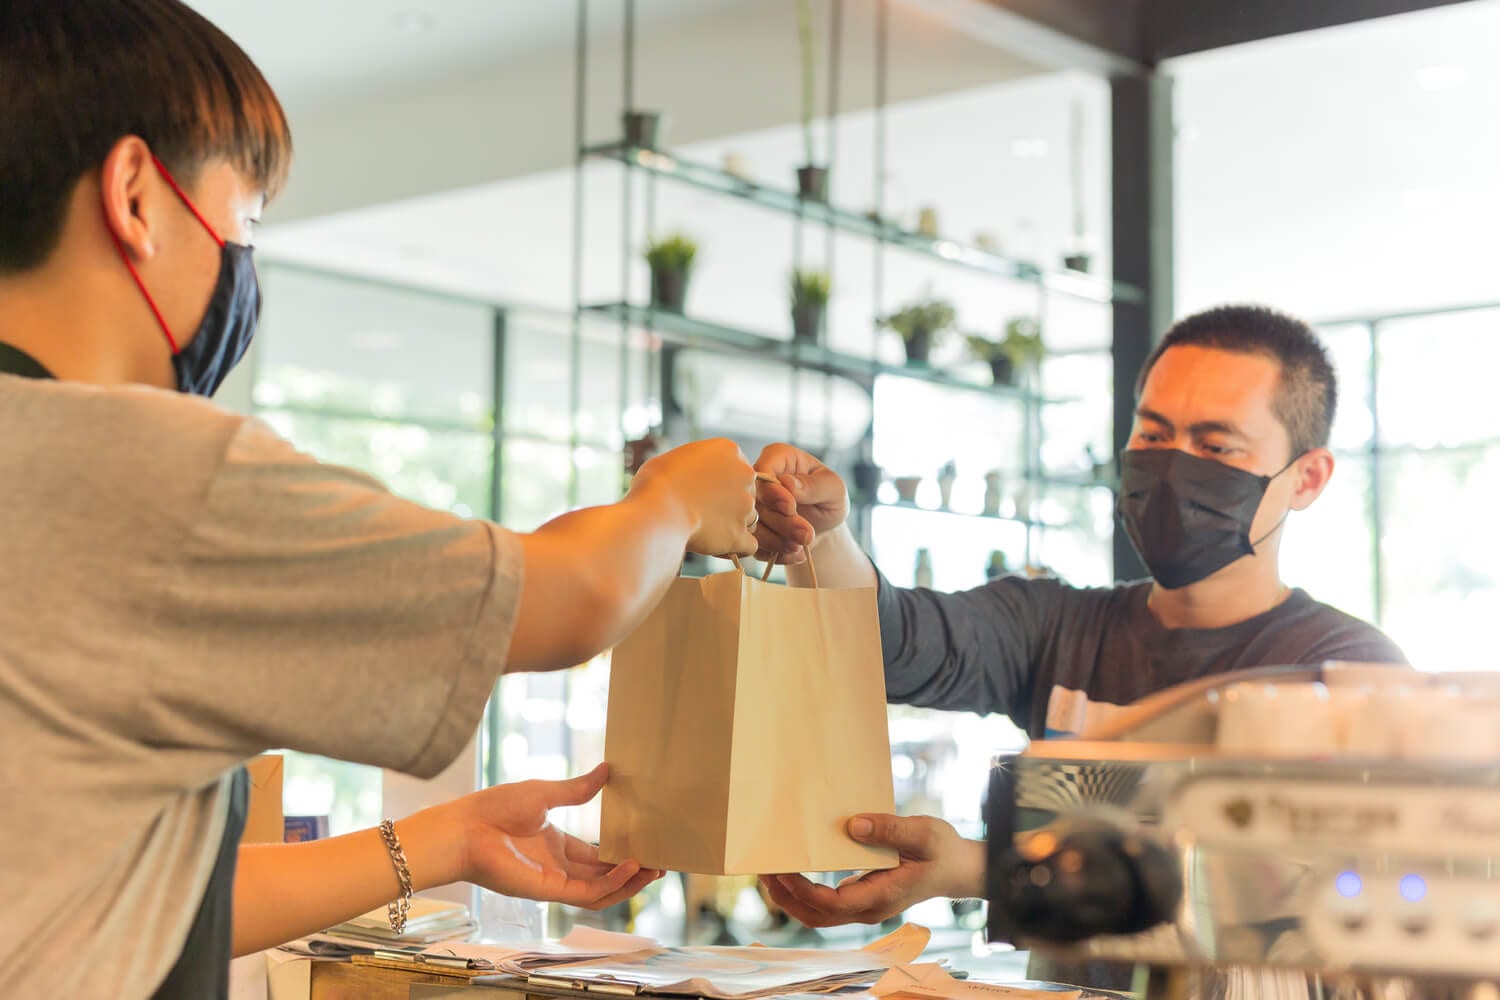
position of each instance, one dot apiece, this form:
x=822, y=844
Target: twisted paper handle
x=812, y=570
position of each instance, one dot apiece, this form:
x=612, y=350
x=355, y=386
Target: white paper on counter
x=931, y=982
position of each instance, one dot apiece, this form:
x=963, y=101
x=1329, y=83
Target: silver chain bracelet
x=399, y=907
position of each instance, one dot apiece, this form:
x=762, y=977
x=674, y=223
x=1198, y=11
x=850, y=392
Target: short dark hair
x=1308, y=393
x=77, y=76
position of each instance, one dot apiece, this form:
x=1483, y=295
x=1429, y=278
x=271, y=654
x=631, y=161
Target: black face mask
x=1188, y=517
x=228, y=325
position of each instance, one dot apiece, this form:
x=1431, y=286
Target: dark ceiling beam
x=1123, y=37
x=1102, y=37
x=1181, y=27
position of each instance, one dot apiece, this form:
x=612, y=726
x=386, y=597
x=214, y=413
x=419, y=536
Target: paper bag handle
x=766, y=477
x=811, y=569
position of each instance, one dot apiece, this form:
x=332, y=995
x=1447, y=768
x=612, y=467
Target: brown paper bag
x=746, y=724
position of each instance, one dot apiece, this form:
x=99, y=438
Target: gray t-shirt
x=180, y=590
x=1056, y=658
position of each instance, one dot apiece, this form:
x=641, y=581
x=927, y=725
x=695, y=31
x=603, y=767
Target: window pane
x=366, y=349
x=601, y=476
x=1327, y=547
x=941, y=761
x=959, y=547
x=449, y=470
x=348, y=794
x=553, y=727
x=538, y=355
x=1442, y=594
x=1349, y=350
x=1081, y=550
x=535, y=477
x=1457, y=351
x=1076, y=432
x=538, y=384
x=600, y=410
x=919, y=427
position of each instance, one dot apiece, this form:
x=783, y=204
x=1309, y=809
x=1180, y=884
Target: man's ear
x=1313, y=471
x=126, y=185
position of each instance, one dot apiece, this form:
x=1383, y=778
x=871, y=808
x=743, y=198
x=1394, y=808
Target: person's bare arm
x=498, y=838
x=591, y=576
x=805, y=507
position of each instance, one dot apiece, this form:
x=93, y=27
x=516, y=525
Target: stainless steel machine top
x=1294, y=830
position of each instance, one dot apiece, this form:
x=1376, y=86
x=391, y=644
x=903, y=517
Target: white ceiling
x=1330, y=172
x=323, y=52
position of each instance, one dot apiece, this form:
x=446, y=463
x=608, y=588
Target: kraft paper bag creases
x=746, y=724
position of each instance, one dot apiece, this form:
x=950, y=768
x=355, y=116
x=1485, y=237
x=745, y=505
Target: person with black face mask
x=1231, y=435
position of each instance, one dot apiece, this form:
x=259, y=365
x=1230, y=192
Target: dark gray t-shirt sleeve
x=972, y=651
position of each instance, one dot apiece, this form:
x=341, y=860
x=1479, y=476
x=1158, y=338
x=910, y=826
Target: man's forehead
x=1190, y=384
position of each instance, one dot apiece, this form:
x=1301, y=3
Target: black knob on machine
x=1074, y=879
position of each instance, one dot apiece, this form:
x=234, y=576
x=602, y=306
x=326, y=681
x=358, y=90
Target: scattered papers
x=429, y=920
x=930, y=982
x=581, y=944
x=725, y=973
x=624, y=964
x=902, y=946
x=720, y=973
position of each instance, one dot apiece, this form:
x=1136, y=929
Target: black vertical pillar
x=1141, y=200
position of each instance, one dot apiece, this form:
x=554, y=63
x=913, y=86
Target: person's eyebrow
x=1215, y=427
x=1156, y=418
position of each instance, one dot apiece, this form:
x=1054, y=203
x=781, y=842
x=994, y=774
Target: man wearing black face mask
x=1231, y=435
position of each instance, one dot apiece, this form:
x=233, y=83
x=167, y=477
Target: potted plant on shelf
x=994, y=354
x=812, y=180
x=919, y=325
x=671, y=260
x=642, y=128
x=1023, y=344
x=810, y=290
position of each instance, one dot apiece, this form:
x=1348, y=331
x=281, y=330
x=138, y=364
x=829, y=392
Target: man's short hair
x=77, y=76
x=1307, y=394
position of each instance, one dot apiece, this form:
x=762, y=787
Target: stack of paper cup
x=1373, y=726
x=1444, y=725
x=1277, y=720
x=1377, y=722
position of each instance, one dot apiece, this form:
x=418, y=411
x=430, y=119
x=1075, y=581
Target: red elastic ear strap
x=167, y=176
x=125, y=256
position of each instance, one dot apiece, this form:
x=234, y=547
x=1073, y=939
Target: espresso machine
x=1281, y=832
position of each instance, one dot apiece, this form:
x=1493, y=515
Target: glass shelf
x=867, y=503
x=1070, y=283
x=1080, y=480
x=684, y=331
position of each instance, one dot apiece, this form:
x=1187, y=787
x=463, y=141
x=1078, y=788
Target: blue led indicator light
x=1413, y=888
x=1349, y=885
